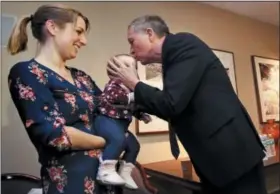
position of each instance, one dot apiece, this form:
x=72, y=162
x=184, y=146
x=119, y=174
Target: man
x=199, y=103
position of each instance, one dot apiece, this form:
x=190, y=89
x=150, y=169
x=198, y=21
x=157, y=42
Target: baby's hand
x=146, y=118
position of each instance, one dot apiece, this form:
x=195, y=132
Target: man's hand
x=146, y=118
x=126, y=73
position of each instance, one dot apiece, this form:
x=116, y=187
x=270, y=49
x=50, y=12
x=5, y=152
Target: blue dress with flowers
x=46, y=102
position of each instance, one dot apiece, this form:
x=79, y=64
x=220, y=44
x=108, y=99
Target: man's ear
x=151, y=34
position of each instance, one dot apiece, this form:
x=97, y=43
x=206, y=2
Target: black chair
x=17, y=183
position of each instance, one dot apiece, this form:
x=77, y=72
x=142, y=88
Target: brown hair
x=60, y=14
x=150, y=21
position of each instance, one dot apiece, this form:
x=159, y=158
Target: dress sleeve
x=97, y=90
x=28, y=85
x=114, y=94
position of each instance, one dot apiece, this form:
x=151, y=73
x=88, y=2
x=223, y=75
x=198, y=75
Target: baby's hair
x=127, y=55
x=124, y=54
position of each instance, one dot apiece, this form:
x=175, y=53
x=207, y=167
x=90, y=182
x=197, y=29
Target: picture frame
x=7, y=23
x=151, y=74
x=266, y=81
x=227, y=59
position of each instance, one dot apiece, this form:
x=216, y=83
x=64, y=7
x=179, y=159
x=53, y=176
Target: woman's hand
x=126, y=73
x=83, y=141
x=102, y=141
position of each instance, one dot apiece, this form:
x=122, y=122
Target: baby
x=112, y=124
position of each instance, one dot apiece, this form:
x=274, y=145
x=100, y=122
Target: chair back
x=141, y=179
x=17, y=183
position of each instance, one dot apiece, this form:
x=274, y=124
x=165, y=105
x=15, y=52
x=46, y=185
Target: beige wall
x=220, y=29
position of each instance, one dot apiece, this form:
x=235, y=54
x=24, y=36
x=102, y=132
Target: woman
x=55, y=102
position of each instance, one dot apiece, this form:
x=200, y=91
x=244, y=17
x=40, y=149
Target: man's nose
x=132, y=52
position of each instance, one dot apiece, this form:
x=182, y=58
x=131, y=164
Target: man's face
x=140, y=46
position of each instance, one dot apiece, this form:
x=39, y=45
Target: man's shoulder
x=176, y=43
x=182, y=37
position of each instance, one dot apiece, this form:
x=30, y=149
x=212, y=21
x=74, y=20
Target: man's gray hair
x=150, y=21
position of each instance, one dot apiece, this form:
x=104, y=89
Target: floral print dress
x=46, y=103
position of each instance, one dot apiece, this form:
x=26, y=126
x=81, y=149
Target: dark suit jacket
x=200, y=102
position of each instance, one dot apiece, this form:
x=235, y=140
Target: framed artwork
x=7, y=24
x=152, y=75
x=266, y=78
x=227, y=59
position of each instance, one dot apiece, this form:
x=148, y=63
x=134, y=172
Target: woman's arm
x=40, y=115
x=82, y=140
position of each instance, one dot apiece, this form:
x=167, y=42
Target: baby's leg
x=129, y=159
x=132, y=148
x=112, y=131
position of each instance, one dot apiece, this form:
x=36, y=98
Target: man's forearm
x=151, y=100
x=140, y=108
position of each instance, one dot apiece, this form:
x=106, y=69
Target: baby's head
x=127, y=59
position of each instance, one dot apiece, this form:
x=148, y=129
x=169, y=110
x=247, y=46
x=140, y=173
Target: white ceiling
x=263, y=11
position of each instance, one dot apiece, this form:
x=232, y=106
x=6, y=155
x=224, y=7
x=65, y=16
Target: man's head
x=145, y=36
